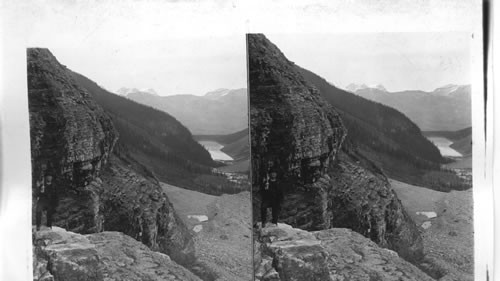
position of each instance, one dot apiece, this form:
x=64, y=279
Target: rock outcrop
x=60, y=255
x=326, y=185
x=138, y=207
x=362, y=199
x=288, y=254
x=71, y=139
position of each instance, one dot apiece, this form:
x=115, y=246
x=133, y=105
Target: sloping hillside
x=383, y=134
x=153, y=138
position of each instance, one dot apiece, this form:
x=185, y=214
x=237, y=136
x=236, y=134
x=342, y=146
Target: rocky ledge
x=63, y=255
x=284, y=253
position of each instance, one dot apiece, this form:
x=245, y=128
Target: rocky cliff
x=72, y=139
x=295, y=128
x=283, y=107
x=60, y=255
x=138, y=207
x=287, y=254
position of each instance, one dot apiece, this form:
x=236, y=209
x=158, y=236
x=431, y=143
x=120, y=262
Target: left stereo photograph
x=140, y=161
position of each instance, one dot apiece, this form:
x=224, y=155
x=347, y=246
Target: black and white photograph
x=235, y=140
x=361, y=157
x=140, y=173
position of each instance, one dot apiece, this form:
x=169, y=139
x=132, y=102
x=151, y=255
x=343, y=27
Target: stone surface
x=363, y=200
x=71, y=138
x=326, y=184
x=61, y=255
x=334, y=254
x=138, y=207
x=291, y=124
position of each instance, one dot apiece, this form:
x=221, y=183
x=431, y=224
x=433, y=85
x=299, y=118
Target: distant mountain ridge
x=354, y=87
x=222, y=111
x=125, y=91
x=447, y=108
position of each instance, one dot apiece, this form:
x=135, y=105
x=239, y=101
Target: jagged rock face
x=291, y=123
x=363, y=200
x=71, y=138
x=60, y=255
x=292, y=127
x=290, y=254
x=138, y=207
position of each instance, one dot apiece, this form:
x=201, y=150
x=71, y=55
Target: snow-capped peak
x=446, y=89
x=217, y=93
x=355, y=87
x=125, y=91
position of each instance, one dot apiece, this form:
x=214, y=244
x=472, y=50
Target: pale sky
x=399, y=61
x=170, y=66
x=146, y=44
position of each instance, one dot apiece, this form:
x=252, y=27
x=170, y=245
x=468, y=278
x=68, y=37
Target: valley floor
x=223, y=242
x=449, y=237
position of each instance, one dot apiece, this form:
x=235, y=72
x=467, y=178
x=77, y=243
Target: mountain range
x=447, y=108
x=222, y=111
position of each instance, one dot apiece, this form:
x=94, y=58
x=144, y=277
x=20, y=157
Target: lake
x=443, y=144
x=214, y=148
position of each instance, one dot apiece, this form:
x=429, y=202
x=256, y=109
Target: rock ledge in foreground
x=63, y=255
x=289, y=254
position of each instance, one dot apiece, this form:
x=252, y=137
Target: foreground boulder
x=60, y=255
x=289, y=254
x=327, y=184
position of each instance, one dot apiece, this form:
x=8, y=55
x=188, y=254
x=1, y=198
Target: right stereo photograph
x=361, y=156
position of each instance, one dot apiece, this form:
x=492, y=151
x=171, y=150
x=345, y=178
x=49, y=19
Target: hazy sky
x=198, y=64
x=399, y=61
x=146, y=44
x=191, y=65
